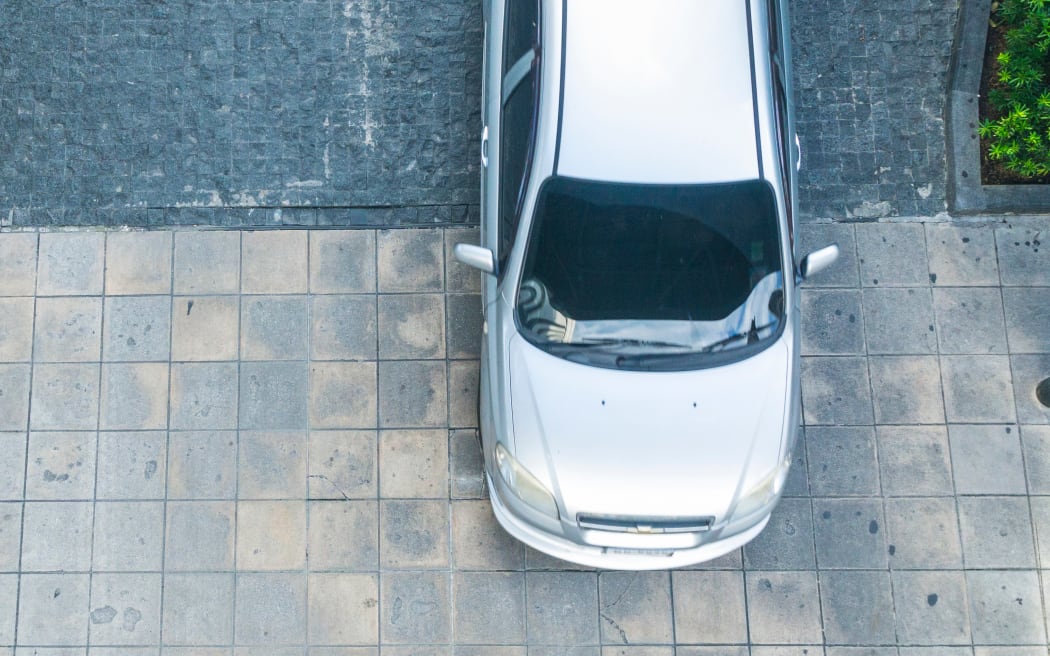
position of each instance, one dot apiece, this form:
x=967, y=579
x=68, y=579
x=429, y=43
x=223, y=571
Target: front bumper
x=610, y=558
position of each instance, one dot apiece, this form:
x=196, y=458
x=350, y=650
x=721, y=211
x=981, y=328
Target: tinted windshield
x=626, y=274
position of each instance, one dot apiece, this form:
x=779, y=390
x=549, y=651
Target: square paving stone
x=931, y=608
x=273, y=395
x=271, y=609
x=412, y=394
x=12, y=465
x=410, y=260
x=716, y=651
x=18, y=264
x=1028, y=372
x=274, y=262
x=413, y=463
x=411, y=326
x=970, y=320
x=125, y=609
x=138, y=262
x=199, y=536
x=415, y=607
x=344, y=327
x=458, y=276
x=464, y=321
x=787, y=541
x=16, y=329
x=129, y=536
x=413, y=534
x=899, y=321
x=272, y=465
x=1040, y=507
x=709, y=607
x=70, y=264
x=56, y=535
x=207, y=262
x=842, y=460
x=131, y=465
x=1024, y=259
x=813, y=236
x=68, y=329
x=987, y=459
x=562, y=608
x=977, y=388
x=892, y=255
x=1009, y=651
x=14, y=396
x=343, y=394
x=1006, y=608
x=923, y=533
x=1036, y=441
x=343, y=535
x=205, y=328
x=274, y=328
x=914, y=460
x=479, y=542
x=832, y=323
x=137, y=328
x=202, y=465
x=907, y=389
x=204, y=395
x=783, y=607
x=342, y=261
x=466, y=465
x=463, y=380
x=996, y=532
x=343, y=465
x=271, y=535
x=836, y=390
x=1028, y=318
x=343, y=609
x=850, y=533
x=134, y=396
x=8, y=604
x=488, y=607
x=198, y=608
x=51, y=609
x=635, y=607
x=61, y=466
x=961, y=255
x=10, y=540
x=857, y=608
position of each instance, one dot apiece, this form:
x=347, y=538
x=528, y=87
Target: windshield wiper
x=751, y=334
x=621, y=341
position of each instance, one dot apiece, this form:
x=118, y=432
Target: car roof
x=659, y=91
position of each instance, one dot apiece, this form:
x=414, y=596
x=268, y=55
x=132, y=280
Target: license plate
x=639, y=552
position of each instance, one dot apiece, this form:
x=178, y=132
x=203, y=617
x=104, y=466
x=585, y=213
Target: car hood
x=648, y=444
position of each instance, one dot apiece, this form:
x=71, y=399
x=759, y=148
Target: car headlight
x=526, y=486
x=764, y=492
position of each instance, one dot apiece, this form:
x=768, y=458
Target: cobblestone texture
x=365, y=112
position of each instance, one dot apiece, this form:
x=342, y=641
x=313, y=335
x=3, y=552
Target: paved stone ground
x=365, y=112
x=263, y=440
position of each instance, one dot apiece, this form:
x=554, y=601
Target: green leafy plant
x=1020, y=136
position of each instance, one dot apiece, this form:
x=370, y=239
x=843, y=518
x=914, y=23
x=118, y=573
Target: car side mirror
x=478, y=257
x=818, y=260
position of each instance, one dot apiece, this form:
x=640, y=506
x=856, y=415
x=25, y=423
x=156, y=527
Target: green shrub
x=1020, y=137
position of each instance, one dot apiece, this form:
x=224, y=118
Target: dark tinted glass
x=515, y=130
x=520, y=30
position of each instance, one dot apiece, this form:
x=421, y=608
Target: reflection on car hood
x=644, y=443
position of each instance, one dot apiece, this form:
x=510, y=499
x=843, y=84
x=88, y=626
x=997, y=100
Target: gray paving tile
x=56, y=536
x=1036, y=443
x=726, y=650
x=343, y=327
x=463, y=380
x=899, y=321
x=134, y=396
x=914, y=460
x=342, y=395
x=464, y=321
x=843, y=273
x=125, y=609
x=1040, y=508
x=466, y=466
x=996, y=532
x=272, y=465
x=202, y=465
x=479, y=542
x=52, y=609
x=857, y=608
x=68, y=329
x=342, y=262
x=1009, y=651
x=786, y=650
x=415, y=607
x=977, y=389
x=70, y=263
x=61, y=466
x=562, y=608
x=207, y=262
x=923, y=533
x=932, y=608
x=490, y=650
x=138, y=262
x=274, y=262
x=199, y=536
x=271, y=608
x=842, y=460
x=205, y=328
x=274, y=328
x=8, y=615
x=204, y=395
x=961, y=255
x=970, y=320
x=1023, y=259
x=459, y=277
x=861, y=651
x=709, y=607
x=16, y=329
x=850, y=533
x=18, y=253
x=413, y=534
x=987, y=459
x=787, y=541
x=10, y=539
x=329, y=598
x=832, y=322
x=198, y=608
x=14, y=402
x=12, y=465
x=1028, y=372
x=836, y=391
x=343, y=464
x=488, y=607
x=1006, y=608
x=783, y=608
x=892, y=254
x=271, y=535
x=1028, y=318
x=411, y=326
x=907, y=389
x=137, y=328
x=343, y=535
x=412, y=394
x=128, y=536
x=273, y=395
x=413, y=464
x=410, y=260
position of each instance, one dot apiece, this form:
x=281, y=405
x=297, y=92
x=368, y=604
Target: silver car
x=639, y=394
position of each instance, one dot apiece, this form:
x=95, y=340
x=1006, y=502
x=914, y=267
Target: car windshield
x=651, y=275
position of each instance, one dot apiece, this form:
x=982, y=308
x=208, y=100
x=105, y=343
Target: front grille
x=644, y=524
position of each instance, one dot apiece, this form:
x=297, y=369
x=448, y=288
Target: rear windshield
x=667, y=271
